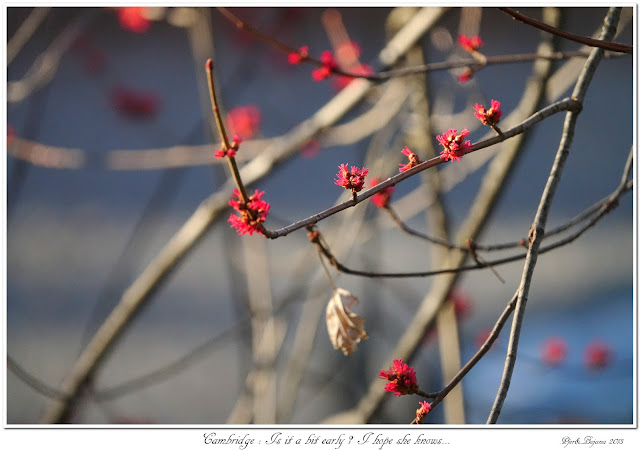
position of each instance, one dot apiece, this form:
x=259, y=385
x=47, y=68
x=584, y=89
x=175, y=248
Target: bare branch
x=540, y=221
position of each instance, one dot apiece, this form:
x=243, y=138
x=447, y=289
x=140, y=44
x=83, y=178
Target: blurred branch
x=46, y=64
x=483, y=204
x=486, y=346
x=46, y=156
x=537, y=228
x=177, y=248
x=199, y=155
x=24, y=33
x=603, y=44
x=32, y=381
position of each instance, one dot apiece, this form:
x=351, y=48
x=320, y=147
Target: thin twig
x=562, y=105
x=539, y=223
x=233, y=167
x=24, y=33
x=486, y=346
x=603, y=207
x=32, y=381
x=603, y=44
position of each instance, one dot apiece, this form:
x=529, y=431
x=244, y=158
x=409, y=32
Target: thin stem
x=613, y=46
x=604, y=206
x=486, y=346
x=223, y=133
x=471, y=247
x=475, y=63
x=562, y=105
x=539, y=223
x=326, y=270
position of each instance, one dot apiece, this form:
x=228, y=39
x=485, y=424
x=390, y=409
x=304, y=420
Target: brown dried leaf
x=345, y=328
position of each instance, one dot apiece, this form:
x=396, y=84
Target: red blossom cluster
x=252, y=214
x=133, y=18
x=231, y=151
x=351, y=179
x=244, y=120
x=401, y=377
x=454, y=146
x=381, y=199
x=329, y=64
x=299, y=56
x=413, y=160
x=470, y=44
x=491, y=116
x=424, y=409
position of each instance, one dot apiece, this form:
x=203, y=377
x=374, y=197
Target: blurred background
x=110, y=141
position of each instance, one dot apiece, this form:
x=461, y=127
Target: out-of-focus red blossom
x=244, y=120
x=351, y=179
x=299, y=56
x=133, y=18
x=401, y=377
x=329, y=64
x=252, y=214
x=597, y=355
x=381, y=199
x=342, y=81
x=424, y=409
x=465, y=76
x=134, y=103
x=470, y=44
x=413, y=160
x=310, y=149
x=491, y=116
x=454, y=146
x=554, y=351
x=11, y=134
x=231, y=151
x=461, y=304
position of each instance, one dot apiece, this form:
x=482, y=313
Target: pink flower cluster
x=329, y=64
x=423, y=410
x=470, y=44
x=231, y=151
x=454, y=146
x=491, y=116
x=413, y=160
x=351, y=179
x=401, y=377
x=251, y=214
